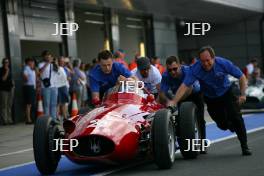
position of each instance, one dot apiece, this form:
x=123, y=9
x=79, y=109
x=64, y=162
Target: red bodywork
x=120, y=119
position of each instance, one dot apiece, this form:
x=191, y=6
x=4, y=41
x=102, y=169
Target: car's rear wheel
x=45, y=131
x=189, y=131
x=163, y=139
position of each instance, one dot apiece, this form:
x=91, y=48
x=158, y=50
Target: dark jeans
x=225, y=111
x=197, y=99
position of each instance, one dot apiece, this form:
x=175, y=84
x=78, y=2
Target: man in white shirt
x=250, y=67
x=29, y=75
x=49, y=89
x=149, y=74
x=63, y=88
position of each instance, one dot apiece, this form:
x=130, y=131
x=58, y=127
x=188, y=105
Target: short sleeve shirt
x=31, y=76
x=99, y=81
x=169, y=83
x=214, y=83
x=151, y=81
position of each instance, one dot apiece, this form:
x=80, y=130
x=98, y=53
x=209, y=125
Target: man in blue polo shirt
x=105, y=75
x=222, y=104
x=171, y=81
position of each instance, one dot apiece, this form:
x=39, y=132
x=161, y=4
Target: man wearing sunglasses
x=171, y=81
x=222, y=105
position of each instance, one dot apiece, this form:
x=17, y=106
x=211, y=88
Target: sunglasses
x=173, y=69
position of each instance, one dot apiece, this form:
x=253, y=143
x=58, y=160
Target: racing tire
x=189, y=130
x=163, y=139
x=45, y=130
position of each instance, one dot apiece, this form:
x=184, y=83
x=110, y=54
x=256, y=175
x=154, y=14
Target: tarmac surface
x=223, y=158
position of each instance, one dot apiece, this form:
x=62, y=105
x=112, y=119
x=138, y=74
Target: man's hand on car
x=121, y=78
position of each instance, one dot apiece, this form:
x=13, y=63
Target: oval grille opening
x=94, y=146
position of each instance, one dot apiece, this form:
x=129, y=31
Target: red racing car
x=123, y=127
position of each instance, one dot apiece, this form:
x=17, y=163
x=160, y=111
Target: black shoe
x=246, y=152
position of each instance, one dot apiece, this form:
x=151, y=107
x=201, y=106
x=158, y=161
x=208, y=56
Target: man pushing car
x=223, y=106
x=105, y=75
x=172, y=78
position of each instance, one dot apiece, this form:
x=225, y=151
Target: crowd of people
x=204, y=80
x=54, y=80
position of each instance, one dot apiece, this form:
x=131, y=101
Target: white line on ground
x=29, y=149
x=17, y=165
x=16, y=152
x=234, y=135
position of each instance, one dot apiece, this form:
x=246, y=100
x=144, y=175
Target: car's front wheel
x=189, y=131
x=45, y=131
x=163, y=139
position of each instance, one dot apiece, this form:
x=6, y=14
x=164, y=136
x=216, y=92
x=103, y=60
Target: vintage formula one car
x=255, y=97
x=125, y=126
x=254, y=93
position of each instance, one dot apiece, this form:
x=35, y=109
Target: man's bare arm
x=243, y=86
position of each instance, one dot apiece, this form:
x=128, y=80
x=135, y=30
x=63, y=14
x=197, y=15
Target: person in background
x=133, y=63
x=84, y=85
x=119, y=56
x=49, y=90
x=88, y=67
x=255, y=79
x=149, y=74
x=193, y=60
x=94, y=62
x=6, y=92
x=155, y=61
x=63, y=88
x=77, y=81
x=68, y=68
x=29, y=75
x=248, y=70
